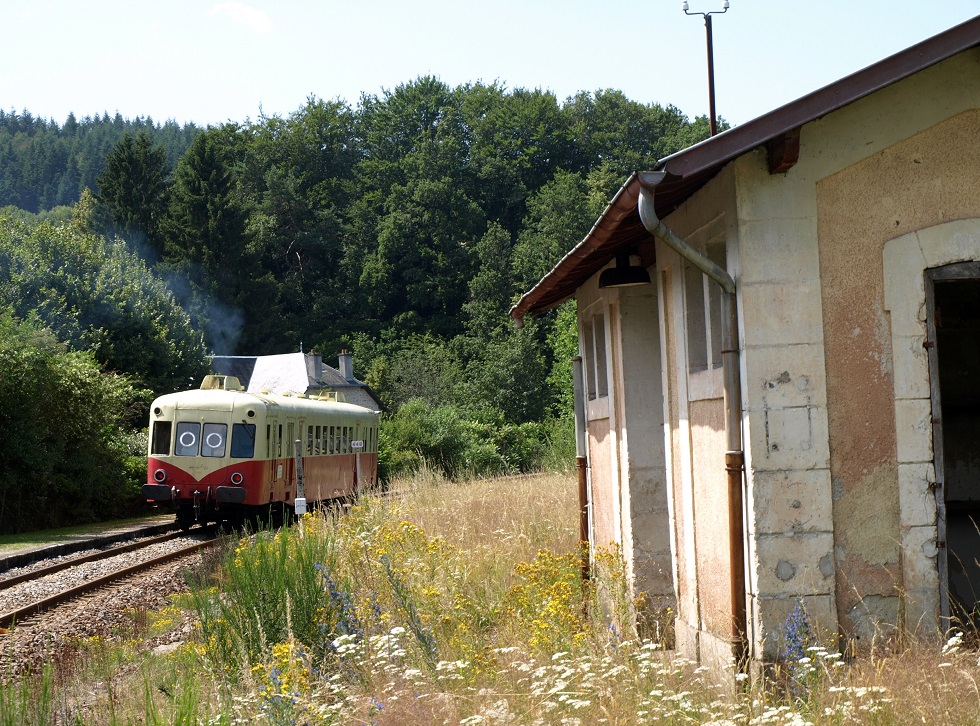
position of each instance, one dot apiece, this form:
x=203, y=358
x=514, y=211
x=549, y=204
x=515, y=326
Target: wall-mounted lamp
x=624, y=274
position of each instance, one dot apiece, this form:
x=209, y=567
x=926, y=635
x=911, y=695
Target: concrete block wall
x=644, y=498
x=819, y=526
x=791, y=547
x=805, y=238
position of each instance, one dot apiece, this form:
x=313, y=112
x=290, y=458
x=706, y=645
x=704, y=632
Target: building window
x=702, y=303
x=594, y=353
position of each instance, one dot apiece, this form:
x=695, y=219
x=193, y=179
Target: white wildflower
x=954, y=643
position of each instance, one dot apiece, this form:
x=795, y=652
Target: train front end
x=202, y=449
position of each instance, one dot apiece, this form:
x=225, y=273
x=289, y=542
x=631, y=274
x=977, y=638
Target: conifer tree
x=132, y=193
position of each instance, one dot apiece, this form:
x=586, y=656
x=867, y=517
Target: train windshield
x=243, y=441
x=214, y=441
x=188, y=439
x=192, y=441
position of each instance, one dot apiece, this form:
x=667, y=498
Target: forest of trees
x=44, y=165
x=402, y=228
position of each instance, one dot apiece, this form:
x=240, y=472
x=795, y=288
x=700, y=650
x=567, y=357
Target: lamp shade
x=624, y=274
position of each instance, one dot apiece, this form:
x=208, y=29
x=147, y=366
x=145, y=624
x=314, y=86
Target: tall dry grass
x=459, y=603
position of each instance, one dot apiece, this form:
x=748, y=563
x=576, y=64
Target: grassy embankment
x=454, y=604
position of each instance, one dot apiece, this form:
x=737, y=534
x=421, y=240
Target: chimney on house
x=346, y=363
x=314, y=365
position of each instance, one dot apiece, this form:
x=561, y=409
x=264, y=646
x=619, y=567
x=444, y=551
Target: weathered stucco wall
x=801, y=511
x=696, y=438
x=711, y=514
x=644, y=500
x=604, y=530
x=931, y=178
x=627, y=470
x=784, y=399
x=685, y=575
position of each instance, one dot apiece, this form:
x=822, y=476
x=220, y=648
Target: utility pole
x=712, y=116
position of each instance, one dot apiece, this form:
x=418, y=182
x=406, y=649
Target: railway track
x=27, y=558
x=87, y=582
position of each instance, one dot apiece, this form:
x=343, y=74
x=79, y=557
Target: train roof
x=226, y=400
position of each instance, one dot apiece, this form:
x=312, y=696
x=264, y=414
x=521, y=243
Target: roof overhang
x=618, y=226
x=682, y=174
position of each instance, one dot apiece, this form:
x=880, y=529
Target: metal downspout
x=582, y=465
x=734, y=457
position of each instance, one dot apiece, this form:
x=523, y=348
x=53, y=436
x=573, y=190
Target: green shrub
x=443, y=438
x=64, y=456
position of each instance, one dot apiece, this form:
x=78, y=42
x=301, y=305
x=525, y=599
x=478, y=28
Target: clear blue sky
x=210, y=61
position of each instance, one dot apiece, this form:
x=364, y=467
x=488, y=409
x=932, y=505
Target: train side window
x=161, y=438
x=330, y=449
x=215, y=440
x=309, y=441
x=188, y=438
x=345, y=441
x=268, y=441
x=243, y=441
x=279, y=443
x=316, y=439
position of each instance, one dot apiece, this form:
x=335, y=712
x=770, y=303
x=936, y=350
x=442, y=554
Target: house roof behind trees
x=292, y=373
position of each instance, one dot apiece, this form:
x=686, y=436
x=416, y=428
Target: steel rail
x=94, y=557
x=6, y=619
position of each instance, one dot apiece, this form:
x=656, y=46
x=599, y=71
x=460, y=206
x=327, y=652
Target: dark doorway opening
x=955, y=330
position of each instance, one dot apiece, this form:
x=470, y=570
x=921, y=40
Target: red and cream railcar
x=221, y=454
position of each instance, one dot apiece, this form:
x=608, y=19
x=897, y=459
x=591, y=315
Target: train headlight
x=237, y=479
x=160, y=475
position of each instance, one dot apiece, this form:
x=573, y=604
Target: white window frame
x=708, y=382
x=594, y=337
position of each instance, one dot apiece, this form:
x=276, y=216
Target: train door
x=357, y=445
x=305, y=435
x=289, y=455
x=274, y=437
